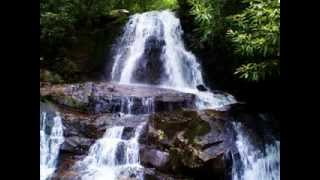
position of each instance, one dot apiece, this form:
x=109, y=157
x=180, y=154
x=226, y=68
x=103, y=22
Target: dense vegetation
x=253, y=32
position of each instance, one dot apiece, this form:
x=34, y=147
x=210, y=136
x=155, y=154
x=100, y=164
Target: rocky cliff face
x=178, y=142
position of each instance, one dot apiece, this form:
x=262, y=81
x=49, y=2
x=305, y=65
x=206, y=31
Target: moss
x=183, y=157
x=161, y=135
x=196, y=128
x=215, y=114
x=188, y=121
x=69, y=101
x=169, y=123
x=45, y=99
x=50, y=77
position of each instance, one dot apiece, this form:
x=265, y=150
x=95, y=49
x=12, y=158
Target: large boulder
x=188, y=141
x=103, y=97
x=80, y=131
x=152, y=157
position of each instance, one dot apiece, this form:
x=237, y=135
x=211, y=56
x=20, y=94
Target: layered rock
x=83, y=131
x=105, y=97
x=188, y=143
x=178, y=142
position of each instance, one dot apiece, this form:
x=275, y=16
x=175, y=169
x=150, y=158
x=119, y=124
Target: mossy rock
x=195, y=129
x=170, y=123
x=72, y=102
x=184, y=157
x=65, y=101
x=50, y=77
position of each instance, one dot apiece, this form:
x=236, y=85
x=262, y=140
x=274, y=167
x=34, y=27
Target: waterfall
x=51, y=138
x=255, y=163
x=151, y=51
x=112, y=156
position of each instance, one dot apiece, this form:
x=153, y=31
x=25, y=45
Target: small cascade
x=151, y=52
x=148, y=104
x=254, y=162
x=112, y=156
x=51, y=138
x=126, y=105
x=133, y=105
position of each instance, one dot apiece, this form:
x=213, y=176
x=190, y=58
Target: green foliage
x=255, y=35
x=47, y=76
x=54, y=21
x=162, y=4
x=61, y=20
x=207, y=17
x=68, y=69
x=160, y=134
x=258, y=71
x=138, y=6
x=54, y=25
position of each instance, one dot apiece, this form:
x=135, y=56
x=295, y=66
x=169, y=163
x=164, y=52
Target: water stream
x=151, y=51
x=51, y=138
x=113, y=156
x=255, y=162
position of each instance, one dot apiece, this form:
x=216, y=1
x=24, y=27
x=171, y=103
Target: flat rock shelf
x=103, y=97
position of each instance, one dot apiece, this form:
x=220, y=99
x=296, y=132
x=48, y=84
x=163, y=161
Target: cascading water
x=51, y=138
x=151, y=51
x=255, y=163
x=112, y=156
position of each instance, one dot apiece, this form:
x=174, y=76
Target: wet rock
x=120, y=153
x=105, y=97
x=128, y=133
x=152, y=174
x=153, y=157
x=81, y=130
x=77, y=145
x=195, y=141
x=79, y=124
x=176, y=143
x=202, y=88
x=151, y=63
x=65, y=170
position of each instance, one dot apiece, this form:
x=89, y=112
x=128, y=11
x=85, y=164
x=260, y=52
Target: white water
x=50, y=143
x=181, y=71
x=146, y=105
x=256, y=164
x=177, y=69
x=112, y=157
